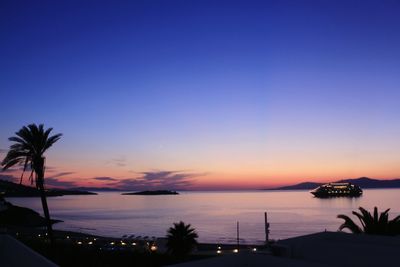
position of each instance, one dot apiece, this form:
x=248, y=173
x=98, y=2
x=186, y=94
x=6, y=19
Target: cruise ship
x=337, y=190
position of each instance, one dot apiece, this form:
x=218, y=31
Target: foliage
x=30, y=144
x=371, y=224
x=181, y=239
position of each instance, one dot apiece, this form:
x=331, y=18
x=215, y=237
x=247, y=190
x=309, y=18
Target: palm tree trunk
x=40, y=186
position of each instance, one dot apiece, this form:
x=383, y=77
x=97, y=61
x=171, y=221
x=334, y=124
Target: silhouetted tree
x=181, y=239
x=30, y=144
x=371, y=224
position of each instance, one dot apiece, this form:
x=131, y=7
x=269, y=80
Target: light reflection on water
x=213, y=214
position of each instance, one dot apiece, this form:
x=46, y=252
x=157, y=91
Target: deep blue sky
x=259, y=89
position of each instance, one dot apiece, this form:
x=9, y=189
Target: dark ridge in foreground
x=363, y=182
x=153, y=193
x=11, y=215
x=10, y=189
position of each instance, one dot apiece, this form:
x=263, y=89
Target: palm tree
x=30, y=143
x=181, y=239
x=371, y=224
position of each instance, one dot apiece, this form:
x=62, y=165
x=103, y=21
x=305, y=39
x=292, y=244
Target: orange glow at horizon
x=217, y=181
x=254, y=169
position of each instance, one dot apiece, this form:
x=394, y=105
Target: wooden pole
x=266, y=228
x=237, y=234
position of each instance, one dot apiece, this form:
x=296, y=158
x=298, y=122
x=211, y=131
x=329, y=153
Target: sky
x=204, y=94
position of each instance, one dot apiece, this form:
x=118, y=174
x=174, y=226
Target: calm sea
x=213, y=214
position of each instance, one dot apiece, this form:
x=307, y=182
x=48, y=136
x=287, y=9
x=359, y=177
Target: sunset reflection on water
x=213, y=214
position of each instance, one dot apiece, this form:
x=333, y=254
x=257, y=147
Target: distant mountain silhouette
x=300, y=186
x=10, y=189
x=363, y=182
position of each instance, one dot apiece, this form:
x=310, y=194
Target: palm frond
x=396, y=219
x=17, y=140
x=360, y=218
x=50, y=141
x=367, y=215
x=384, y=217
x=376, y=217
x=10, y=163
x=349, y=224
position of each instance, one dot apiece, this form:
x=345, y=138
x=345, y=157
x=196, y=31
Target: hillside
x=10, y=189
x=363, y=182
x=11, y=215
x=300, y=186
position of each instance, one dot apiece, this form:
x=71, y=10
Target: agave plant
x=30, y=144
x=181, y=239
x=376, y=224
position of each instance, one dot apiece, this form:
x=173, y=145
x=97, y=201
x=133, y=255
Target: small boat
x=337, y=190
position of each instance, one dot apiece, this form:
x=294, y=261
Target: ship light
x=219, y=251
x=235, y=250
x=79, y=243
x=254, y=249
x=153, y=248
x=133, y=244
x=90, y=243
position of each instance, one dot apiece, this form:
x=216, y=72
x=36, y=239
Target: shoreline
x=120, y=243
x=38, y=230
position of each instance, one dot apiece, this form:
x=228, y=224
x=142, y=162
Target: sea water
x=214, y=215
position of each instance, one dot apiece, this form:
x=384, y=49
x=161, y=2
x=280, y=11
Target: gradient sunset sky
x=205, y=94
